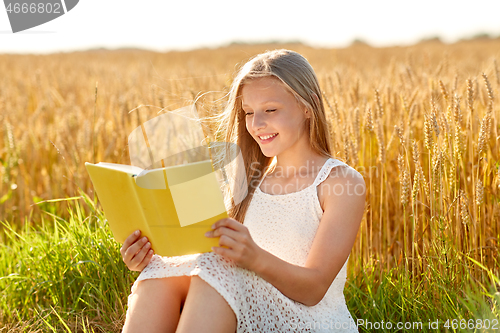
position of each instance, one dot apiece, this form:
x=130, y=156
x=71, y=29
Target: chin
x=267, y=153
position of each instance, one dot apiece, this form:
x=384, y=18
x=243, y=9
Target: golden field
x=420, y=123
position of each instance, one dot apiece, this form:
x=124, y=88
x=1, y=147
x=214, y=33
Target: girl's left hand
x=241, y=247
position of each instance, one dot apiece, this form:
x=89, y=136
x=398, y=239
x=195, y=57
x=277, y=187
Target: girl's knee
x=195, y=279
x=175, y=285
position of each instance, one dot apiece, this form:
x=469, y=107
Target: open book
x=172, y=206
x=178, y=184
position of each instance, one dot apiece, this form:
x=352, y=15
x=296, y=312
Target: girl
x=286, y=245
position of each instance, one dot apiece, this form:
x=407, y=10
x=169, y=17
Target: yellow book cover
x=172, y=206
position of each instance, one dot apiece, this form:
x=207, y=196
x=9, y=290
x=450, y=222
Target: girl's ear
x=308, y=113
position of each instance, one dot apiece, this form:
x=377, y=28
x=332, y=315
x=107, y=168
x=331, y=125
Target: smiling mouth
x=263, y=138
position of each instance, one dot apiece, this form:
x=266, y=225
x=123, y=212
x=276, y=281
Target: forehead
x=269, y=79
x=264, y=87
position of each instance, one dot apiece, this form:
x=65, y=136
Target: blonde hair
x=296, y=75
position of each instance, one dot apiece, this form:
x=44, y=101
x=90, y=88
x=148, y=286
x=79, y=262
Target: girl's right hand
x=136, y=252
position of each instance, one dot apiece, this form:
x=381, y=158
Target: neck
x=293, y=165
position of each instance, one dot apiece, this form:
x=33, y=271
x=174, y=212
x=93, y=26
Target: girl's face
x=274, y=118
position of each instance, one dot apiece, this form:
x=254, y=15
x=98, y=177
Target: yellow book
x=172, y=206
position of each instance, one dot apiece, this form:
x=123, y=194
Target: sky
x=163, y=25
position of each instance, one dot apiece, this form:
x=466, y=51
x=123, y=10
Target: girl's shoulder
x=339, y=171
x=341, y=179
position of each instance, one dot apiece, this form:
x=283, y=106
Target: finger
x=220, y=250
x=130, y=240
x=241, y=235
x=229, y=223
x=146, y=260
x=224, y=251
x=228, y=232
x=139, y=257
x=134, y=249
x=228, y=241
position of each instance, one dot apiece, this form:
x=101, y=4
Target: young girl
x=286, y=245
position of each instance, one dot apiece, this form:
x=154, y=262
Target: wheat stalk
x=453, y=175
x=418, y=166
x=345, y=136
x=399, y=132
x=488, y=87
x=459, y=141
x=443, y=90
x=379, y=109
x=400, y=163
x=380, y=141
x=479, y=192
x=470, y=96
x=444, y=124
x=369, y=120
x=411, y=115
x=464, y=212
x=354, y=153
x=437, y=164
x=404, y=179
x=427, y=132
x=457, y=112
x=434, y=119
x=405, y=190
x=484, y=133
x=357, y=134
x=416, y=184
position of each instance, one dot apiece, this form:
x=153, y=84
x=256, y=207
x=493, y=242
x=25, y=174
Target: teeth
x=268, y=136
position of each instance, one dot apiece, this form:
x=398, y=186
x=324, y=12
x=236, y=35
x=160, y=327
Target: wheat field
x=420, y=123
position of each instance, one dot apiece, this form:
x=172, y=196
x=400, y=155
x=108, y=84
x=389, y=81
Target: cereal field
x=421, y=123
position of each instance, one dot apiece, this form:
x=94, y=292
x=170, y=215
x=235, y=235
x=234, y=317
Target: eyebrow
x=266, y=102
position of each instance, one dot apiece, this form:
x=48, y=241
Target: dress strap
x=325, y=170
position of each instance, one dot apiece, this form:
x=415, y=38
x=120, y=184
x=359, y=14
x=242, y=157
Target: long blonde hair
x=297, y=75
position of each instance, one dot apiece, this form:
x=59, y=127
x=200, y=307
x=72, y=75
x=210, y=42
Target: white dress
x=284, y=225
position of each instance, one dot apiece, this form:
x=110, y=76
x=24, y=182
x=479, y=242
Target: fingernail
x=144, y=239
x=148, y=245
x=137, y=232
x=207, y=233
x=213, y=226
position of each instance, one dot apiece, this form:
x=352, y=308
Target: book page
x=130, y=169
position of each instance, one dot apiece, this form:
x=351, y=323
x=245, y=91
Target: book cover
x=172, y=206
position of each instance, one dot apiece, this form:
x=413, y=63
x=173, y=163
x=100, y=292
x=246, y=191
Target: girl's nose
x=258, y=122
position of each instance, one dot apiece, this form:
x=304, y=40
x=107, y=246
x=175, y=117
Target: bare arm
x=343, y=211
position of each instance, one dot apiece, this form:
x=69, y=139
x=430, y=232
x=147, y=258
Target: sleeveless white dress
x=284, y=225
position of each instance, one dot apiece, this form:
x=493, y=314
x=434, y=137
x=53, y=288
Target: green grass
x=393, y=297
x=63, y=276
x=68, y=276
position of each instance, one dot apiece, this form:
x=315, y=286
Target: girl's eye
x=251, y=113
